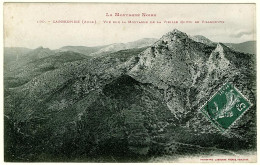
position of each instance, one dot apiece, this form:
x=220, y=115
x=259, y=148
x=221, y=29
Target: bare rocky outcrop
x=132, y=103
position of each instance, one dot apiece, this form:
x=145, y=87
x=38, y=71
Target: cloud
x=240, y=34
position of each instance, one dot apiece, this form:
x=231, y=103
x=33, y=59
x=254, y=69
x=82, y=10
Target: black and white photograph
x=129, y=82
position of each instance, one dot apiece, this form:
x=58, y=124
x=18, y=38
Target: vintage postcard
x=130, y=82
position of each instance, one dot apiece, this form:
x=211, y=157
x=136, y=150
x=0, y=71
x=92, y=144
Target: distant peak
x=148, y=39
x=40, y=47
x=200, y=36
x=203, y=39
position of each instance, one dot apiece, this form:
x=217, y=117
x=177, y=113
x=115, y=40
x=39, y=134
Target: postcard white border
x=128, y=1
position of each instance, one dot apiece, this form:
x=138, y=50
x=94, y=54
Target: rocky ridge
x=131, y=102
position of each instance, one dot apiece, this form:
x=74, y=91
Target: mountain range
x=94, y=51
x=124, y=102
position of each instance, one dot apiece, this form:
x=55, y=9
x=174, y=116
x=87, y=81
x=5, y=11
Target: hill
x=129, y=105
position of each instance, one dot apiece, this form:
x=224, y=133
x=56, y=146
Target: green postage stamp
x=225, y=107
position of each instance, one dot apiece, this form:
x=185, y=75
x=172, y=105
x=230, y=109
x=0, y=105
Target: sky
x=22, y=27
